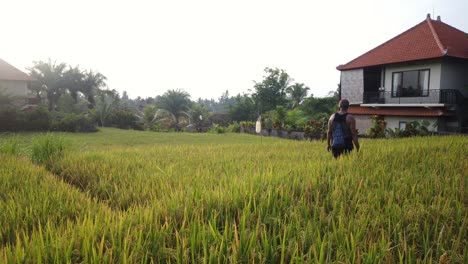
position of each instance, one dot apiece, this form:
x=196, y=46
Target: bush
x=377, y=129
x=46, y=148
x=73, y=123
x=9, y=120
x=217, y=129
x=123, y=118
x=294, y=116
x=414, y=128
x=37, y=119
x=233, y=128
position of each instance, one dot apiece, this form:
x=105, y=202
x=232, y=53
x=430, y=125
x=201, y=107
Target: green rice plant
x=10, y=145
x=203, y=198
x=46, y=148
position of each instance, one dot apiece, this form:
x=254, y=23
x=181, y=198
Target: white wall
x=435, y=67
x=363, y=123
x=14, y=88
x=394, y=121
x=434, y=77
x=455, y=75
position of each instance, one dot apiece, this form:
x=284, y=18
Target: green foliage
x=177, y=103
x=243, y=109
x=198, y=116
x=415, y=128
x=6, y=100
x=47, y=149
x=377, y=129
x=56, y=79
x=73, y=123
x=217, y=129
x=190, y=198
x=10, y=146
x=50, y=76
x=271, y=91
x=294, y=118
x=318, y=108
x=123, y=118
x=37, y=119
x=247, y=124
x=65, y=103
x=147, y=118
x=233, y=128
x=280, y=116
x=297, y=93
x=316, y=129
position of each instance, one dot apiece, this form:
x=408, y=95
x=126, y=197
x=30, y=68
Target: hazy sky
x=208, y=46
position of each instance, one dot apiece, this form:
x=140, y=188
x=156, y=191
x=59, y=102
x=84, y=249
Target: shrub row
x=39, y=119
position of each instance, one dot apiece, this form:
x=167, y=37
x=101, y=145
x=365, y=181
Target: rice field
x=121, y=196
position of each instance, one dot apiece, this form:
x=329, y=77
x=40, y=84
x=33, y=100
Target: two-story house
x=421, y=74
x=14, y=83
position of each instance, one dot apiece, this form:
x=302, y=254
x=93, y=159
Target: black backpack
x=340, y=131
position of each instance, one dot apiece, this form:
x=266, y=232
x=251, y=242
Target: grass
x=142, y=197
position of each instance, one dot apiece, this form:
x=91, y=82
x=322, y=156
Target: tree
x=271, y=92
x=147, y=117
x=92, y=83
x=244, y=109
x=106, y=103
x=176, y=102
x=297, y=92
x=74, y=81
x=318, y=108
x=198, y=116
x=50, y=77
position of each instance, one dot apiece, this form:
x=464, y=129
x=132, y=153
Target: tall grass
x=10, y=145
x=274, y=201
x=47, y=148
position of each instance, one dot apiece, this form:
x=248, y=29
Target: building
x=14, y=83
x=421, y=74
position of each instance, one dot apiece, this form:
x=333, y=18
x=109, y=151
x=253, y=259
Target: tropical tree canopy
x=92, y=82
x=271, y=91
x=297, y=93
x=177, y=103
x=51, y=77
x=56, y=79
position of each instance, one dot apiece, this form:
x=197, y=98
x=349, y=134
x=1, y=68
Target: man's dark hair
x=344, y=104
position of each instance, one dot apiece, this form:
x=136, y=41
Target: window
x=410, y=83
x=402, y=125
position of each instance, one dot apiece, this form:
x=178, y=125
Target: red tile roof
x=400, y=111
x=427, y=40
x=8, y=72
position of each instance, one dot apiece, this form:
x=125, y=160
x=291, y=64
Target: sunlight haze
x=207, y=47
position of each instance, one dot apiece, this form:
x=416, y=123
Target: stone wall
x=352, y=85
x=276, y=133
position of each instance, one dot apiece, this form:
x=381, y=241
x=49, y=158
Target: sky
x=206, y=47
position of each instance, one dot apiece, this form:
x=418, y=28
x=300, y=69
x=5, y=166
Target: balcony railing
x=442, y=96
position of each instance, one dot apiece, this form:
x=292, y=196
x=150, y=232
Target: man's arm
x=329, y=132
x=352, y=127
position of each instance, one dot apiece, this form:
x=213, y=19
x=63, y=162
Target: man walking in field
x=342, y=131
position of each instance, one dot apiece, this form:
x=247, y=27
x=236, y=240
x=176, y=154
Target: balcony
x=442, y=96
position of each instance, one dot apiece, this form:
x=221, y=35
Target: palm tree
x=176, y=102
x=92, y=82
x=74, y=81
x=50, y=77
x=297, y=92
x=107, y=101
